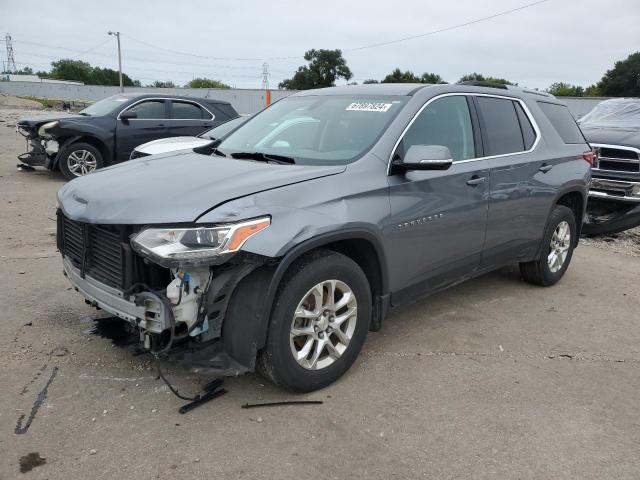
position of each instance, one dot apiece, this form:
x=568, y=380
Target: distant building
x=10, y=77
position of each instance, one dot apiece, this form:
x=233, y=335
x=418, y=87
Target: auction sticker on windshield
x=369, y=107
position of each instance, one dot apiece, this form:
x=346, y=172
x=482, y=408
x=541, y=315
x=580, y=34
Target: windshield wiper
x=264, y=157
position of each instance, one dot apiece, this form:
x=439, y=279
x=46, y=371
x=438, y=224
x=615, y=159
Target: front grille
x=103, y=252
x=617, y=158
x=97, y=250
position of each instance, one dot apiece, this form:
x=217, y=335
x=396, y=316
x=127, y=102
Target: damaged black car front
x=612, y=129
x=41, y=146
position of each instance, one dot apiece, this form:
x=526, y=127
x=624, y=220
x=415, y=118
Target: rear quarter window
x=501, y=127
x=563, y=122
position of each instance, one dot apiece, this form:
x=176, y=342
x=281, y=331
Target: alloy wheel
x=560, y=244
x=323, y=324
x=81, y=162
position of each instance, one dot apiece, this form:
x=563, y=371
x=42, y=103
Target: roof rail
x=482, y=83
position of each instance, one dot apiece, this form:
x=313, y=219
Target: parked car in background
x=106, y=132
x=174, y=144
x=613, y=130
x=317, y=216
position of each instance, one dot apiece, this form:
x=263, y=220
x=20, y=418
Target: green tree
x=398, y=76
x=592, y=91
x=206, y=83
x=67, y=69
x=478, y=77
x=325, y=67
x=108, y=76
x=432, y=78
x=561, y=89
x=370, y=80
x=623, y=80
x=159, y=84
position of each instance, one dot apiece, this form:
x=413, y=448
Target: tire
x=83, y=156
x=276, y=360
x=543, y=271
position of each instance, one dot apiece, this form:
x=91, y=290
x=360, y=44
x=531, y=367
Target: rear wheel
x=78, y=159
x=319, y=322
x=560, y=238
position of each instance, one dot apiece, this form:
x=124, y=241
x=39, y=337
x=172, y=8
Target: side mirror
x=425, y=157
x=128, y=114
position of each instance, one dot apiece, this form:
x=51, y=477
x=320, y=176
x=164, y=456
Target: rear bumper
x=100, y=295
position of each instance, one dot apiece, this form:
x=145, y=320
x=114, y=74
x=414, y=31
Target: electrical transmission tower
x=11, y=62
x=265, y=76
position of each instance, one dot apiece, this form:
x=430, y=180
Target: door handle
x=475, y=181
x=161, y=125
x=545, y=168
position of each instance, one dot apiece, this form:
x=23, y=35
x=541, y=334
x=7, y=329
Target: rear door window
x=563, y=122
x=188, y=111
x=500, y=126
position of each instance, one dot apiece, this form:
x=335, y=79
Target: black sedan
x=106, y=132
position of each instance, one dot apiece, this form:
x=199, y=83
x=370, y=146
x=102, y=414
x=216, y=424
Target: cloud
x=575, y=42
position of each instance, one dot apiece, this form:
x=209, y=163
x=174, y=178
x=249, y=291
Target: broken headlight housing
x=173, y=247
x=42, y=131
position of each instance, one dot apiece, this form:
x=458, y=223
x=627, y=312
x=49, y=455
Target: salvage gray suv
x=280, y=246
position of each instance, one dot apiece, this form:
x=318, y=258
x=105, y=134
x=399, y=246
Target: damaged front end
x=176, y=287
x=605, y=217
x=42, y=148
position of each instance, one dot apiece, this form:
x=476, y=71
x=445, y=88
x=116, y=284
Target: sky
x=574, y=41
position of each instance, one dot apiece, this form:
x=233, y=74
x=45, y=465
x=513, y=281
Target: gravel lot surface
x=491, y=379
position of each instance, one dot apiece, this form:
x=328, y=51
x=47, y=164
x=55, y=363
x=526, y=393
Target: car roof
x=138, y=96
x=367, y=89
x=410, y=89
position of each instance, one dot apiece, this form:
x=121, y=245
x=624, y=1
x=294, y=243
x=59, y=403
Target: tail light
x=588, y=157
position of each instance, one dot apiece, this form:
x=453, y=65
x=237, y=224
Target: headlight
x=172, y=247
x=46, y=126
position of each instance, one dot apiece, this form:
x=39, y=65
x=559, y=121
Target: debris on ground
x=282, y=404
x=627, y=242
x=31, y=461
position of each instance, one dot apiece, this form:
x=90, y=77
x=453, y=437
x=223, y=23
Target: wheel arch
x=91, y=140
x=574, y=198
x=243, y=341
x=576, y=201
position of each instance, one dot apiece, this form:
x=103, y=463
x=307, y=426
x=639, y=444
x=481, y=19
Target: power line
x=295, y=57
x=139, y=59
x=446, y=29
x=178, y=52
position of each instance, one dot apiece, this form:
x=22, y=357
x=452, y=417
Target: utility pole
x=265, y=83
x=11, y=63
x=265, y=76
x=117, y=34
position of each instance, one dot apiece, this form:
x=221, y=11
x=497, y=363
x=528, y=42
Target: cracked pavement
x=493, y=378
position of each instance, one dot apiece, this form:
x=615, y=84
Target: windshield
x=614, y=113
x=224, y=128
x=316, y=130
x=105, y=106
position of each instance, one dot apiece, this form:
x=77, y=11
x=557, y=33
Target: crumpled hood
x=613, y=136
x=39, y=119
x=174, y=188
x=172, y=144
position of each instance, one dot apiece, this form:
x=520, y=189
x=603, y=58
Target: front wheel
x=78, y=159
x=319, y=322
x=560, y=238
